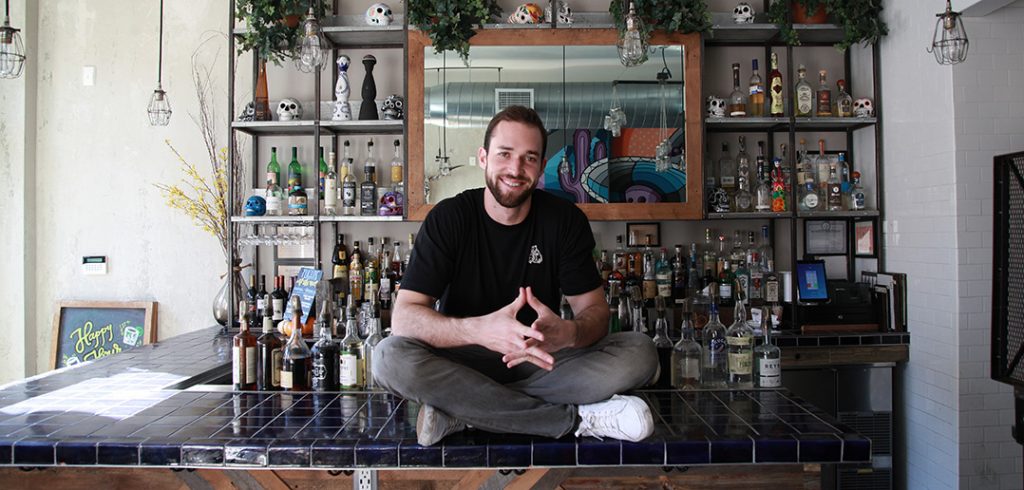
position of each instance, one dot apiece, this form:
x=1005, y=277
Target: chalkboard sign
x=88, y=330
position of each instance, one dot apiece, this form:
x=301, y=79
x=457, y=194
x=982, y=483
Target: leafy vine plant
x=860, y=20
x=682, y=16
x=451, y=23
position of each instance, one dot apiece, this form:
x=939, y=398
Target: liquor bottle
x=686, y=359
x=743, y=202
x=737, y=99
x=727, y=170
x=766, y=252
x=763, y=192
x=650, y=278
x=779, y=199
x=823, y=95
x=744, y=170
x=397, y=166
x=804, y=94
x=351, y=345
x=346, y=162
x=275, y=200
x=368, y=187
x=252, y=294
x=776, y=89
x=843, y=168
x=604, y=267
x=809, y=198
x=355, y=273
x=737, y=253
x=740, y=340
x=273, y=169
x=243, y=354
x=756, y=268
x=844, y=102
x=856, y=199
x=613, y=307
x=743, y=279
x=663, y=276
x=340, y=271
x=325, y=353
x=726, y=283
x=821, y=164
x=834, y=190
x=662, y=343
x=298, y=203
x=268, y=346
x=324, y=169
x=349, y=186
x=277, y=298
x=756, y=107
x=408, y=255
x=371, y=272
x=680, y=275
x=396, y=267
x=373, y=337
x=297, y=360
x=804, y=164
x=693, y=284
x=294, y=170
x=715, y=367
x=330, y=192
x=262, y=298
x=768, y=357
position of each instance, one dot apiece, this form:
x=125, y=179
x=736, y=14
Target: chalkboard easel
x=88, y=330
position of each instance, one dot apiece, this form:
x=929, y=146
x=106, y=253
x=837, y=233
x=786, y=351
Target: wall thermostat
x=94, y=265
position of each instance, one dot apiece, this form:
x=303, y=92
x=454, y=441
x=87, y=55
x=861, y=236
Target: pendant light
x=313, y=49
x=632, y=42
x=12, y=51
x=949, y=41
x=159, y=103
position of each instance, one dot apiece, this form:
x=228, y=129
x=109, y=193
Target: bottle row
x=826, y=182
x=808, y=101
x=342, y=192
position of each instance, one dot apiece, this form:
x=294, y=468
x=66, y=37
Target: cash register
x=833, y=305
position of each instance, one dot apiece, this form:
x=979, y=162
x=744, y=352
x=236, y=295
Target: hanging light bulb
x=314, y=47
x=159, y=103
x=949, y=41
x=661, y=157
x=632, y=41
x=12, y=51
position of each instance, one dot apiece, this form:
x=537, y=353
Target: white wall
x=989, y=106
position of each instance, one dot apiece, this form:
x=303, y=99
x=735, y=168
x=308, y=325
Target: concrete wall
x=989, y=106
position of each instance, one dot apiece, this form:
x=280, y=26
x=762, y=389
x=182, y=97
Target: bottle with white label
x=243, y=354
x=331, y=187
x=349, y=185
x=686, y=359
x=768, y=357
x=297, y=360
x=740, y=340
x=352, y=366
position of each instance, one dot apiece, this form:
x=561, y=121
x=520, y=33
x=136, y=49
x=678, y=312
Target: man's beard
x=510, y=199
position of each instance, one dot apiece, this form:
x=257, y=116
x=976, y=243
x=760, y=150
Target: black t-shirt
x=476, y=265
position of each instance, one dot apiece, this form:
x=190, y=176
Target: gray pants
x=472, y=385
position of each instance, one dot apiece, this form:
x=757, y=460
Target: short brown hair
x=519, y=114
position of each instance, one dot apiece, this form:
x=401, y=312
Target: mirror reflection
x=615, y=133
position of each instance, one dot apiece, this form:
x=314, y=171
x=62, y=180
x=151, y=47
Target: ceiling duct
x=584, y=105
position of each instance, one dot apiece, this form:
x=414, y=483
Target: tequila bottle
x=737, y=99
x=763, y=192
x=727, y=170
x=768, y=356
x=715, y=370
x=823, y=96
x=804, y=94
x=740, y=341
x=844, y=102
x=776, y=89
x=686, y=359
x=834, y=190
x=756, y=107
x=744, y=171
x=809, y=198
x=368, y=187
x=856, y=192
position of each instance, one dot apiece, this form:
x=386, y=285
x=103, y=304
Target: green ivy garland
x=451, y=23
x=861, y=20
x=668, y=15
x=266, y=33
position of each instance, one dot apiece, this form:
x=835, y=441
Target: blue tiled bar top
x=125, y=410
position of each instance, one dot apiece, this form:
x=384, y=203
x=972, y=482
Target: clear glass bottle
x=823, y=96
x=325, y=353
x=737, y=106
x=275, y=200
x=397, y=166
x=804, y=94
x=740, y=341
x=297, y=360
x=776, y=89
x=349, y=186
x=686, y=359
x=344, y=169
x=661, y=338
x=352, y=366
x=715, y=369
x=844, y=102
x=765, y=252
x=330, y=191
x=368, y=187
x=372, y=339
x=834, y=190
x=763, y=192
x=857, y=200
x=809, y=198
x=727, y=170
x=744, y=170
x=768, y=356
x=756, y=107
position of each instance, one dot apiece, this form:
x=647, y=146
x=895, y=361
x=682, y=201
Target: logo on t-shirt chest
x=535, y=256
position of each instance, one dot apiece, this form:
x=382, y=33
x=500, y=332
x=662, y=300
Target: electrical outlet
x=88, y=76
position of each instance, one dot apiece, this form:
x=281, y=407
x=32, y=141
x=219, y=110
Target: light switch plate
x=94, y=265
x=88, y=76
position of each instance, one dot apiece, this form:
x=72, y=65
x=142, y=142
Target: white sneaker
x=619, y=417
x=432, y=425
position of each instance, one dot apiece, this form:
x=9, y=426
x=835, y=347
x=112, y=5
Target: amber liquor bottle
x=268, y=365
x=243, y=354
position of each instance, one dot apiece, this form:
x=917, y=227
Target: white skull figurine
x=743, y=13
x=564, y=12
x=379, y=14
x=527, y=13
x=716, y=106
x=863, y=107
x=289, y=110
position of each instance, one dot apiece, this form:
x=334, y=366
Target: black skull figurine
x=368, y=108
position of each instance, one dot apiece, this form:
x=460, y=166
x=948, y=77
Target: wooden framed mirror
x=572, y=77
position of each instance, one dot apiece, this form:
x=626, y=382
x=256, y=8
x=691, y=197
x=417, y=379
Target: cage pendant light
x=12, y=51
x=949, y=41
x=159, y=103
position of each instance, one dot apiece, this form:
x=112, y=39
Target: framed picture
x=864, y=238
x=88, y=330
x=643, y=234
x=825, y=237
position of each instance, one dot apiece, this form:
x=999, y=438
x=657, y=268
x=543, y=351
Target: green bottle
x=273, y=169
x=324, y=170
x=294, y=170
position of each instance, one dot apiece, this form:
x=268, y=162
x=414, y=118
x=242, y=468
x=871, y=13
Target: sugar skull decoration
x=289, y=110
x=248, y=113
x=743, y=13
x=342, y=109
x=255, y=206
x=564, y=12
x=716, y=106
x=863, y=107
x=379, y=14
x=393, y=107
x=527, y=13
x=392, y=203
